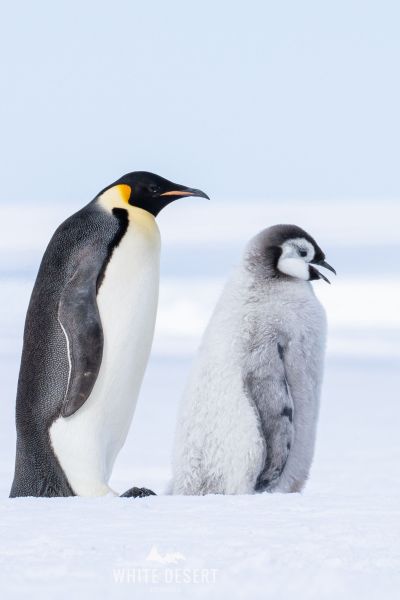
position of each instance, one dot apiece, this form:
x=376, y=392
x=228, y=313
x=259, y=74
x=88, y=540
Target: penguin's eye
x=303, y=253
x=153, y=188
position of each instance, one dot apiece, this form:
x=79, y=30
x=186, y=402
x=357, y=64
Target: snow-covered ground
x=340, y=538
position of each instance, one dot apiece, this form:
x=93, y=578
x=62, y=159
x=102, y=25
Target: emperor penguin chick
x=248, y=417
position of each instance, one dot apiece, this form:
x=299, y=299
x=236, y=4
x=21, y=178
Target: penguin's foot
x=136, y=492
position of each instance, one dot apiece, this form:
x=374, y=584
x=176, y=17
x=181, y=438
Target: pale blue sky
x=243, y=99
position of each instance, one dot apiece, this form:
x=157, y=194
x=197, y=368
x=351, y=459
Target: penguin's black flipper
x=136, y=492
x=79, y=317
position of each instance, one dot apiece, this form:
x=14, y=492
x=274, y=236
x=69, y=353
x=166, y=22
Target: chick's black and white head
x=288, y=250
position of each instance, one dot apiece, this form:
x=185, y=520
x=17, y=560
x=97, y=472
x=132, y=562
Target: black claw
x=136, y=492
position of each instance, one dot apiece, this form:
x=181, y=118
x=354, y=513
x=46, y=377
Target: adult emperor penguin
x=87, y=339
x=248, y=417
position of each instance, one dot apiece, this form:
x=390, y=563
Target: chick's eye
x=303, y=253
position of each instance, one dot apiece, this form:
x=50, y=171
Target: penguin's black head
x=151, y=192
x=289, y=250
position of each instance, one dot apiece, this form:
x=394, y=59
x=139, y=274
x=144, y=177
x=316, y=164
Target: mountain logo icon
x=166, y=559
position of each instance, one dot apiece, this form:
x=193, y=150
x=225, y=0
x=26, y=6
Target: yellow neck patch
x=116, y=197
x=124, y=191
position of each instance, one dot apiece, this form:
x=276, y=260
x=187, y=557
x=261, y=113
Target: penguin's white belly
x=87, y=443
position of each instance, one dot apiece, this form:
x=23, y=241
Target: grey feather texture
x=247, y=421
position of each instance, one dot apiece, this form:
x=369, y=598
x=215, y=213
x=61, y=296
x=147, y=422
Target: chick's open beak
x=325, y=265
x=315, y=274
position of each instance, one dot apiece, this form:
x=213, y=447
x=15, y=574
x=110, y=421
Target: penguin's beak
x=182, y=192
x=324, y=264
x=315, y=274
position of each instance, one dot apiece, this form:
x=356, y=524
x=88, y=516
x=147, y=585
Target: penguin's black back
x=90, y=234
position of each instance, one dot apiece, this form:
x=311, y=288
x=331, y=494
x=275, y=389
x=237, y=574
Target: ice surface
x=340, y=538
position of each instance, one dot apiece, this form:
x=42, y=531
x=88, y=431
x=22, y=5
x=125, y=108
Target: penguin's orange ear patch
x=124, y=191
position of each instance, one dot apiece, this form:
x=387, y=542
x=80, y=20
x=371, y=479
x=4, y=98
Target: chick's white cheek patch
x=295, y=267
